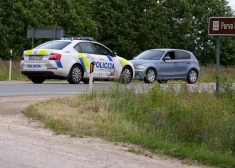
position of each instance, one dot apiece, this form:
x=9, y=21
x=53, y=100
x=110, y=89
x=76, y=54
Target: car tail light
x=55, y=56
x=22, y=58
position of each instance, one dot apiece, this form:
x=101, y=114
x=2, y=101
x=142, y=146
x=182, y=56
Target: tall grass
x=15, y=73
x=208, y=73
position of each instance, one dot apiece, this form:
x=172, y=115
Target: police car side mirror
x=114, y=54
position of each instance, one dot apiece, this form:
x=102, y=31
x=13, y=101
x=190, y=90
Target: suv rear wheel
x=192, y=76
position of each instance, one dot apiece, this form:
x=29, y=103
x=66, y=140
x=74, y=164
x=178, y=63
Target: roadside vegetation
x=126, y=27
x=15, y=73
x=192, y=126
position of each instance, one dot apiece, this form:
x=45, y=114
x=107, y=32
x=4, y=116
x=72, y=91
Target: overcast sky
x=232, y=4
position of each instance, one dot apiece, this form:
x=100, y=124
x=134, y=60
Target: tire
x=126, y=75
x=162, y=81
x=192, y=76
x=75, y=75
x=85, y=80
x=150, y=75
x=37, y=80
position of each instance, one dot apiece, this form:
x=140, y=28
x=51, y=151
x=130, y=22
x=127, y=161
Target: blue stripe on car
x=58, y=63
x=82, y=63
x=110, y=58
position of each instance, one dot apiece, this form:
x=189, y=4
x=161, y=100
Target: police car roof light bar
x=77, y=38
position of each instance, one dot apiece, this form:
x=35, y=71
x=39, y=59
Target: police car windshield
x=56, y=45
x=150, y=55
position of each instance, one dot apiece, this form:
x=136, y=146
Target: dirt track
x=25, y=144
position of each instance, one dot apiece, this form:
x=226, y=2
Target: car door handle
x=188, y=62
x=101, y=59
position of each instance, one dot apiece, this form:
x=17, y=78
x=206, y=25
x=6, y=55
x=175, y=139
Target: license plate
x=35, y=57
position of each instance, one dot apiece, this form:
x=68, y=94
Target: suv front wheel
x=150, y=75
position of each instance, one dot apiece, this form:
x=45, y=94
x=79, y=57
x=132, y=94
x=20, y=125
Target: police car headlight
x=139, y=66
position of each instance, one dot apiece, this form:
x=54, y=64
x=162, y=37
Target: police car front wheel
x=75, y=75
x=126, y=75
x=37, y=80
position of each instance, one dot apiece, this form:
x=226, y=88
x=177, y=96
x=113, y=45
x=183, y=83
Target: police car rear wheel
x=126, y=75
x=75, y=75
x=37, y=80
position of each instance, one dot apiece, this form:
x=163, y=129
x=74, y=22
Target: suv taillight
x=55, y=56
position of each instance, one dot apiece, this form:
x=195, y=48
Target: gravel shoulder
x=26, y=144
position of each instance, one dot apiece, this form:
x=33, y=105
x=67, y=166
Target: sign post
x=220, y=26
x=10, y=65
x=52, y=33
x=91, y=74
x=217, y=64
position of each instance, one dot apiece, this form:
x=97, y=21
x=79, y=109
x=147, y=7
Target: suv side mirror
x=167, y=58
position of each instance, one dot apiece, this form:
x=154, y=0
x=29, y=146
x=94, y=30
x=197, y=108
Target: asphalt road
x=13, y=88
x=48, y=88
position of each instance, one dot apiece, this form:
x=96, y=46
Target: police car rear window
x=56, y=45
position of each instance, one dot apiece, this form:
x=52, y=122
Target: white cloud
x=232, y=4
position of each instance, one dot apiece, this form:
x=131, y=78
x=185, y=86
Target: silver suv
x=166, y=64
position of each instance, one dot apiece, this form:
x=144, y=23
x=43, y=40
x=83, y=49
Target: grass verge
x=189, y=125
x=15, y=72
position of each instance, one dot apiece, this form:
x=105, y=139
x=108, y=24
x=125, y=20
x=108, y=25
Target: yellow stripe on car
x=80, y=55
x=85, y=62
x=124, y=61
x=42, y=52
x=29, y=52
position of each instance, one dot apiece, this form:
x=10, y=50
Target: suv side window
x=182, y=55
x=86, y=47
x=102, y=50
x=171, y=55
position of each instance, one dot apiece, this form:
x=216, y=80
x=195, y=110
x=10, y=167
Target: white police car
x=70, y=58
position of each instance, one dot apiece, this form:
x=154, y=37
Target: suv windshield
x=57, y=45
x=150, y=55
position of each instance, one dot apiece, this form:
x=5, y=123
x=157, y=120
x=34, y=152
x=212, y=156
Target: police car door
x=105, y=63
x=86, y=51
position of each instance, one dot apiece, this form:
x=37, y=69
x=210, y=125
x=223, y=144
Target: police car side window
x=78, y=48
x=101, y=50
x=86, y=47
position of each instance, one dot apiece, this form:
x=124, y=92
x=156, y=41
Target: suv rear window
x=182, y=55
x=56, y=45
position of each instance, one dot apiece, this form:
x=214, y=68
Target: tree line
x=125, y=26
